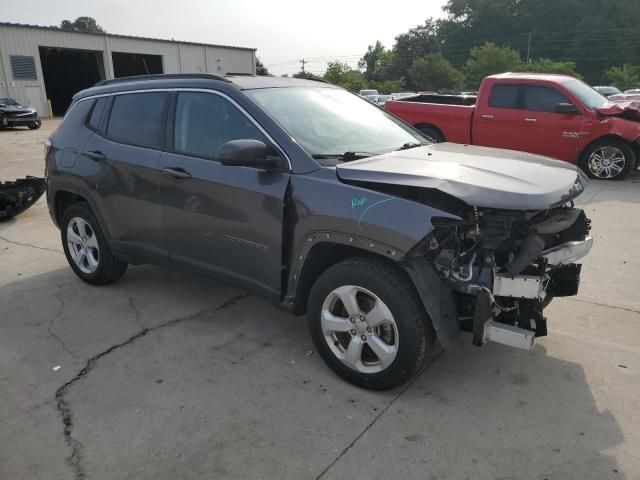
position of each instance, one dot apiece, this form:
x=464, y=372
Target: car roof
x=549, y=77
x=196, y=80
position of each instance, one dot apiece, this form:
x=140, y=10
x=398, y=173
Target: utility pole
x=529, y=49
x=303, y=61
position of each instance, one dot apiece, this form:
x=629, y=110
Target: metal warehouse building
x=42, y=66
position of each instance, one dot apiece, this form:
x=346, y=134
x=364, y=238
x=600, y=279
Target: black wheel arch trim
x=314, y=238
x=437, y=300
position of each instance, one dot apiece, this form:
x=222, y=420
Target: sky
x=283, y=31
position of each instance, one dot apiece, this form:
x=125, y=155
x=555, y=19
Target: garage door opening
x=128, y=64
x=67, y=71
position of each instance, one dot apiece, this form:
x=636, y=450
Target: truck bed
x=451, y=118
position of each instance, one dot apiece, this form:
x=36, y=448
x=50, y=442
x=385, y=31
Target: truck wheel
x=86, y=248
x=368, y=323
x=433, y=133
x=608, y=159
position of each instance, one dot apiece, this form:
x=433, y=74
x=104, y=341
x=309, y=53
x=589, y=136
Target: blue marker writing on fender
x=358, y=202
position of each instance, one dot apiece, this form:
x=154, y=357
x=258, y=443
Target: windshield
x=331, y=121
x=8, y=101
x=586, y=94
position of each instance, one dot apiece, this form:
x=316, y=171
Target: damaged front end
x=504, y=267
x=17, y=196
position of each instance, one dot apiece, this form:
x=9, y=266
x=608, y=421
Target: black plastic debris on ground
x=19, y=195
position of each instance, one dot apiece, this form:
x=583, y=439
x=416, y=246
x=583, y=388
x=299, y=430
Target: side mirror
x=249, y=153
x=567, y=109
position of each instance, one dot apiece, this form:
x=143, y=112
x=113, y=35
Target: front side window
x=504, y=96
x=543, y=99
x=204, y=121
x=587, y=95
x=138, y=119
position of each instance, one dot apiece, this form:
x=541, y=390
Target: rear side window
x=543, y=99
x=204, y=121
x=138, y=119
x=504, y=96
x=96, y=113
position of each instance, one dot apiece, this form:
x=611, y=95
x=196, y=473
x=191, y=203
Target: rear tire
x=380, y=336
x=608, y=159
x=432, y=132
x=86, y=248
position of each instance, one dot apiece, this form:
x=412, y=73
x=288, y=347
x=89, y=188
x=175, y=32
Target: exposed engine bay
x=505, y=266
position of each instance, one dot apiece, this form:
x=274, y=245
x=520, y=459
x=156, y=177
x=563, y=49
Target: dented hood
x=480, y=176
x=630, y=108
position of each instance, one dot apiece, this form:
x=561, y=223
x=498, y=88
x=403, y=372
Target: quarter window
x=138, y=119
x=204, y=121
x=96, y=113
x=504, y=96
x=543, y=99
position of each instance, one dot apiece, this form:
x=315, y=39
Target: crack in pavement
x=377, y=417
x=626, y=309
x=74, y=460
x=54, y=319
x=30, y=245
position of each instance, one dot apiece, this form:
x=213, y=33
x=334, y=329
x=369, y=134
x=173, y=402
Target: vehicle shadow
x=241, y=375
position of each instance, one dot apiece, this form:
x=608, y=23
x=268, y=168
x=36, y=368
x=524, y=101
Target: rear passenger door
x=119, y=169
x=220, y=219
x=497, y=121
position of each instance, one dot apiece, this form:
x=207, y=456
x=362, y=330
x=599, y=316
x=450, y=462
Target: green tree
x=82, y=24
x=545, y=65
x=307, y=75
x=433, y=72
x=335, y=72
x=261, y=69
x=603, y=33
x=417, y=42
x=343, y=75
x=488, y=60
x=372, y=60
x=389, y=86
x=626, y=76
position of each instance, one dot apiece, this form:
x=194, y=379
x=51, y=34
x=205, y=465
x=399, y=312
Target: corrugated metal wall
x=176, y=57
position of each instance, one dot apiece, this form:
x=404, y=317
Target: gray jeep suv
x=322, y=202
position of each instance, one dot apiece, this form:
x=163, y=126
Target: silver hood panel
x=479, y=176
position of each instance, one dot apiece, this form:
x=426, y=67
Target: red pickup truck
x=553, y=115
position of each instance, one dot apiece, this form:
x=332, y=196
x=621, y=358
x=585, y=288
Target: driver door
x=218, y=219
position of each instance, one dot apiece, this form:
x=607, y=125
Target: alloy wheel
x=359, y=329
x=83, y=245
x=607, y=162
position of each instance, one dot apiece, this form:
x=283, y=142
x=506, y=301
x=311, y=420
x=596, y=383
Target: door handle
x=531, y=120
x=487, y=116
x=176, y=173
x=96, y=155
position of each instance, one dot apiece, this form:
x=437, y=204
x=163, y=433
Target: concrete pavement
x=170, y=375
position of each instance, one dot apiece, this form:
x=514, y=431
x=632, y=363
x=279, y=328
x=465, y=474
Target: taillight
x=47, y=148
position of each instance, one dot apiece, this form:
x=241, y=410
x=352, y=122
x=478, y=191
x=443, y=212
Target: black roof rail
x=162, y=76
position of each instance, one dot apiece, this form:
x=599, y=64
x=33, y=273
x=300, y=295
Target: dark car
x=12, y=114
x=322, y=202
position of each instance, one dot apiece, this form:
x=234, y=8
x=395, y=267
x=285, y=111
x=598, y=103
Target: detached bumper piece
x=19, y=195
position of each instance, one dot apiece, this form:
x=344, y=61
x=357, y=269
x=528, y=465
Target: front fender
x=322, y=209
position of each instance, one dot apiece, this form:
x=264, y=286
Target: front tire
x=86, y=248
x=608, y=159
x=368, y=324
x=35, y=125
